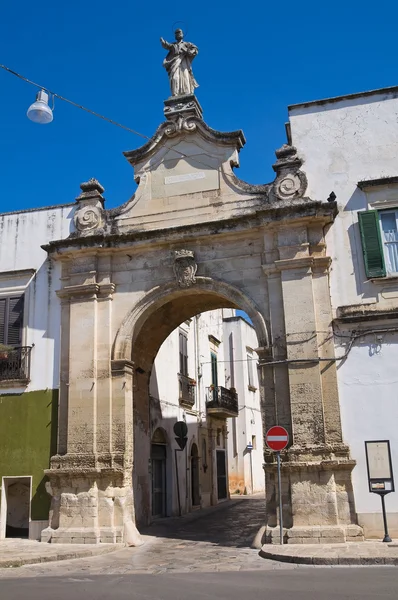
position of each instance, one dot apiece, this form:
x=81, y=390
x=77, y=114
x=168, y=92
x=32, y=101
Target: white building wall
x=208, y=332
x=239, y=338
x=342, y=143
x=21, y=236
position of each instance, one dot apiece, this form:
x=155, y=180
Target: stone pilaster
x=91, y=483
x=317, y=491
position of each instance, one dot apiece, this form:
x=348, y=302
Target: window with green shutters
x=11, y=320
x=372, y=245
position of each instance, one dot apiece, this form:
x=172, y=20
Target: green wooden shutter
x=15, y=321
x=3, y=306
x=372, y=245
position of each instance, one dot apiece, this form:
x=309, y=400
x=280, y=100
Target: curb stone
x=330, y=560
x=19, y=561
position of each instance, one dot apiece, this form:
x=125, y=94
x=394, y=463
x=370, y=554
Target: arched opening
x=208, y=405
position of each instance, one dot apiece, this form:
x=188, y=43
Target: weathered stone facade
x=257, y=248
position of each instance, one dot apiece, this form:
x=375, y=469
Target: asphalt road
x=305, y=583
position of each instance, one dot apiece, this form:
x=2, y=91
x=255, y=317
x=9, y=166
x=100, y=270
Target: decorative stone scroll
x=185, y=267
x=90, y=215
x=290, y=183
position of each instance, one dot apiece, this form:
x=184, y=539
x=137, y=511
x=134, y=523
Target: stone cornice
x=311, y=465
x=316, y=263
x=272, y=215
x=294, y=263
x=87, y=291
x=234, y=139
x=122, y=367
x=358, y=313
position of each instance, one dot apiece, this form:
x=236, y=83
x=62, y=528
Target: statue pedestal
x=186, y=106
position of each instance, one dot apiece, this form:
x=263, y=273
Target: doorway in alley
x=221, y=475
x=158, y=463
x=195, y=495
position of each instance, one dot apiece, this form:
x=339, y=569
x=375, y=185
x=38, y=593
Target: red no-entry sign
x=277, y=438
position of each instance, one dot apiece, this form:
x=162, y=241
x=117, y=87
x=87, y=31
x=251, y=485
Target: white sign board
x=378, y=459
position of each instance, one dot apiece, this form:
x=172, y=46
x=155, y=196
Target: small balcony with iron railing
x=15, y=365
x=222, y=402
x=186, y=391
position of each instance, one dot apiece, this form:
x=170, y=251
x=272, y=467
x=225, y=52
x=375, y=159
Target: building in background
x=350, y=146
x=29, y=365
x=205, y=374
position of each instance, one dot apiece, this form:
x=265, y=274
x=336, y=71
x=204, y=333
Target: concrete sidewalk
x=350, y=553
x=16, y=552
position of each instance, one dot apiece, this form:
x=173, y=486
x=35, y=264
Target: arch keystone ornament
x=129, y=278
x=185, y=267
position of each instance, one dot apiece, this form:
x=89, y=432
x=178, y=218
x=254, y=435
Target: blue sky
x=254, y=59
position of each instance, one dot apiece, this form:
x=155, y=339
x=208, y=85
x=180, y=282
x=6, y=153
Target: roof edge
x=39, y=208
x=334, y=99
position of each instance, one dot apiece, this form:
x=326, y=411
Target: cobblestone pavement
x=207, y=541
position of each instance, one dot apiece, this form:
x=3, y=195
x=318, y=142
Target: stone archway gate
x=192, y=238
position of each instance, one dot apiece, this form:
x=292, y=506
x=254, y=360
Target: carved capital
x=122, y=367
x=79, y=292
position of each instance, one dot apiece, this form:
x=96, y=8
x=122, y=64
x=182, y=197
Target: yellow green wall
x=28, y=436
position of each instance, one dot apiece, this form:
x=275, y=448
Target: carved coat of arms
x=185, y=267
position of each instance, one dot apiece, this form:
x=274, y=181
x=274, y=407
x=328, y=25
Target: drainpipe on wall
x=198, y=369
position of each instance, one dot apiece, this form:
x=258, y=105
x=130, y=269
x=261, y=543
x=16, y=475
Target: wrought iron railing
x=187, y=390
x=15, y=364
x=222, y=399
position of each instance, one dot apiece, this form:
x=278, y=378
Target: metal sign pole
x=278, y=459
x=383, y=506
x=380, y=474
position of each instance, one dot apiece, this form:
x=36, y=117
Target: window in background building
x=204, y=455
x=11, y=320
x=214, y=369
x=389, y=233
x=183, y=353
x=250, y=367
x=379, y=235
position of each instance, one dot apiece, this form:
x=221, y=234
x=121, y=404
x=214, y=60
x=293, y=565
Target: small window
x=389, y=236
x=214, y=369
x=250, y=367
x=183, y=339
x=11, y=320
x=254, y=442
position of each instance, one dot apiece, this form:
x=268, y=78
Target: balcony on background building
x=221, y=402
x=186, y=391
x=15, y=365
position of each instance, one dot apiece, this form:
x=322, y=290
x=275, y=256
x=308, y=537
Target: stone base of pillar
x=315, y=535
x=90, y=505
x=317, y=496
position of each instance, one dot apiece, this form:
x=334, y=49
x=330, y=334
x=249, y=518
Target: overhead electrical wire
x=94, y=113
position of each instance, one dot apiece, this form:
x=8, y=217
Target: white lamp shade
x=39, y=111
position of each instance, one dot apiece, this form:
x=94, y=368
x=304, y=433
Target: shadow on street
x=233, y=524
